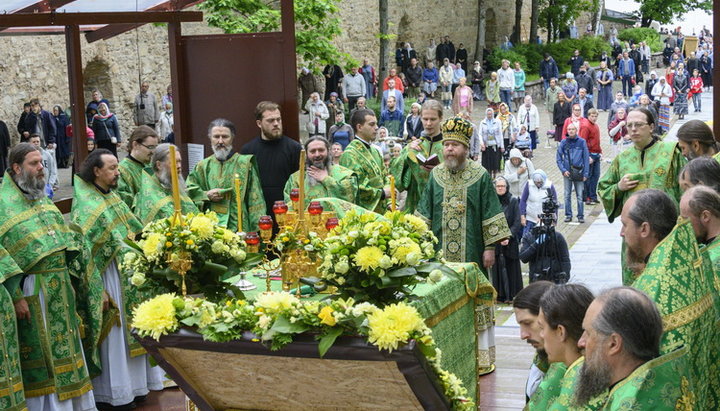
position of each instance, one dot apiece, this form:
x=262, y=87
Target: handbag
x=576, y=173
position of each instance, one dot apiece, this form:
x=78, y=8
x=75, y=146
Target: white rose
x=137, y=279
x=342, y=267
x=412, y=258
x=435, y=276
x=385, y=262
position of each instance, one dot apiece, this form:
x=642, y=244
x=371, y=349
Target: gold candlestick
x=392, y=194
x=301, y=196
x=238, y=201
x=177, y=218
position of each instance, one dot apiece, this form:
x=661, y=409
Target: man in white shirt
x=529, y=116
x=506, y=78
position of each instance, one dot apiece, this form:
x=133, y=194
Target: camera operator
x=544, y=249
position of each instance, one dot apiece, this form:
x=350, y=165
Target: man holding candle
x=211, y=185
x=105, y=222
x=154, y=201
x=322, y=178
x=367, y=163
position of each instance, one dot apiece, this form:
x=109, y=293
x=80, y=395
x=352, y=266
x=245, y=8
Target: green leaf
x=328, y=340
x=284, y=326
x=402, y=272
x=132, y=245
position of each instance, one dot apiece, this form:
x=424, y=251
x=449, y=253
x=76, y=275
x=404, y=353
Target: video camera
x=548, y=216
x=547, y=253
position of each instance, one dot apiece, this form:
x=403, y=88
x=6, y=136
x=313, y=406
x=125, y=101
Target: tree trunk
x=518, y=21
x=384, y=41
x=550, y=33
x=645, y=21
x=534, y=14
x=598, y=16
x=480, y=40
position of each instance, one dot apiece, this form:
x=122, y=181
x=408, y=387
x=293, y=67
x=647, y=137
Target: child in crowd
x=522, y=142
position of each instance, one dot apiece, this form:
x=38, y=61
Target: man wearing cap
x=463, y=210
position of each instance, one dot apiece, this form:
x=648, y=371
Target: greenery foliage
x=637, y=34
x=497, y=55
x=316, y=26
x=556, y=15
x=664, y=11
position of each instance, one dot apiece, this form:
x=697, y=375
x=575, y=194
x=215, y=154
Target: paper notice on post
x=196, y=152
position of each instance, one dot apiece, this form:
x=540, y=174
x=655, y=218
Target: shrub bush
x=646, y=34
x=533, y=54
x=498, y=55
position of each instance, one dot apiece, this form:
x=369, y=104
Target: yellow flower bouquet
x=275, y=318
x=379, y=259
x=207, y=255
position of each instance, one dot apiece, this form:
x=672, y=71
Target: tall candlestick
x=392, y=194
x=238, y=202
x=175, y=186
x=301, y=187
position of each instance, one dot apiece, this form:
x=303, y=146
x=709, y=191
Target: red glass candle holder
x=331, y=223
x=315, y=208
x=252, y=238
x=295, y=195
x=280, y=207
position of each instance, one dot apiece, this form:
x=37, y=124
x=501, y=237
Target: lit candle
x=392, y=193
x=238, y=202
x=175, y=186
x=301, y=187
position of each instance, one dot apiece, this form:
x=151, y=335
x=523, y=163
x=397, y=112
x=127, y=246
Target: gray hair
x=161, y=154
x=632, y=315
x=702, y=198
x=656, y=208
x=221, y=122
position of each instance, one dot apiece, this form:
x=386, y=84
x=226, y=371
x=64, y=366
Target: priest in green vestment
x=549, y=388
x=141, y=145
x=154, y=201
x=105, y=222
x=460, y=202
x=674, y=275
x=211, y=184
x=412, y=168
x=367, y=163
x=649, y=163
x=322, y=178
x=623, y=368
x=35, y=235
x=12, y=397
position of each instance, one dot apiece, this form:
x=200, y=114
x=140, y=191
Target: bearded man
x=622, y=332
x=211, y=185
x=105, y=222
x=154, y=201
x=33, y=231
x=463, y=210
x=322, y=178
x=671, y=271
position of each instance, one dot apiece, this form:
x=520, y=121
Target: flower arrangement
x=379, y=259
x=275, y=318
x=208, y=254
x=288, y=240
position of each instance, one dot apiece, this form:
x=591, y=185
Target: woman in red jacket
x=696, y=87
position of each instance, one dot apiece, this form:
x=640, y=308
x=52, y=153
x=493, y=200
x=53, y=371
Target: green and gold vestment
x=656, y=167
x=341, y=183
x=567, y=391
x=212, y=173
x=12, y=397
x=130, y=176
x=464, y=212
x=155, y=202
x=549, y=389
x=675, y=279
x=37, y=238
x=411, y=176
x=367, y=163
x=105, y=221
x=660, y=384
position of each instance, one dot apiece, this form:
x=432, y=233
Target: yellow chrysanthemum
x=276, y=302
x=368, y=258
x=156, y=317
x=153, y=244
x=228, y=235
x=403, y=247
x=326, y=316
x=417, y=223
x=202, y=226
x=393, y=325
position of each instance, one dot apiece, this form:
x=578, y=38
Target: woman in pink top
x=463, y=99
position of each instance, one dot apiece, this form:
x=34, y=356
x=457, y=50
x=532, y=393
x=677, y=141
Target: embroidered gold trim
x=687, y=314
x=75, y=393
x=447, y=311
x=15, y=388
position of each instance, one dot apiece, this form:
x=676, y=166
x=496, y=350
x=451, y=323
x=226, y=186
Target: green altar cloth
x=448, y=310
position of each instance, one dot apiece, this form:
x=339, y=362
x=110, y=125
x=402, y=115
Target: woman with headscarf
x=318, y=115
x=333, y=104
x=605, y=81
x=477, y=74
x=506, y=273
x=575, y=118
x=63, y=151
x=463, y=99
x=681, y=85
x=492, y=91
x=166, y=123
x=569, y=86
x=492, y=142
x=106, y=129
x=662, y=92
x=517, y=172
x=509, y=125
x=537, y=190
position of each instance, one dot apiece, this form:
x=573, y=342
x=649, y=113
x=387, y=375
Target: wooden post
x=77, y=94
x=178, y=83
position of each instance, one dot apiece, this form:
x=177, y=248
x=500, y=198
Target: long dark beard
x=325, y=164
x=165, y=180
x=33, y=186
x=634, y=261
x=593, y=379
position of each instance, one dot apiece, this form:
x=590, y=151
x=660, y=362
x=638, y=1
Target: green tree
x=316, y=25
x=556, y=15
x=665, y=11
